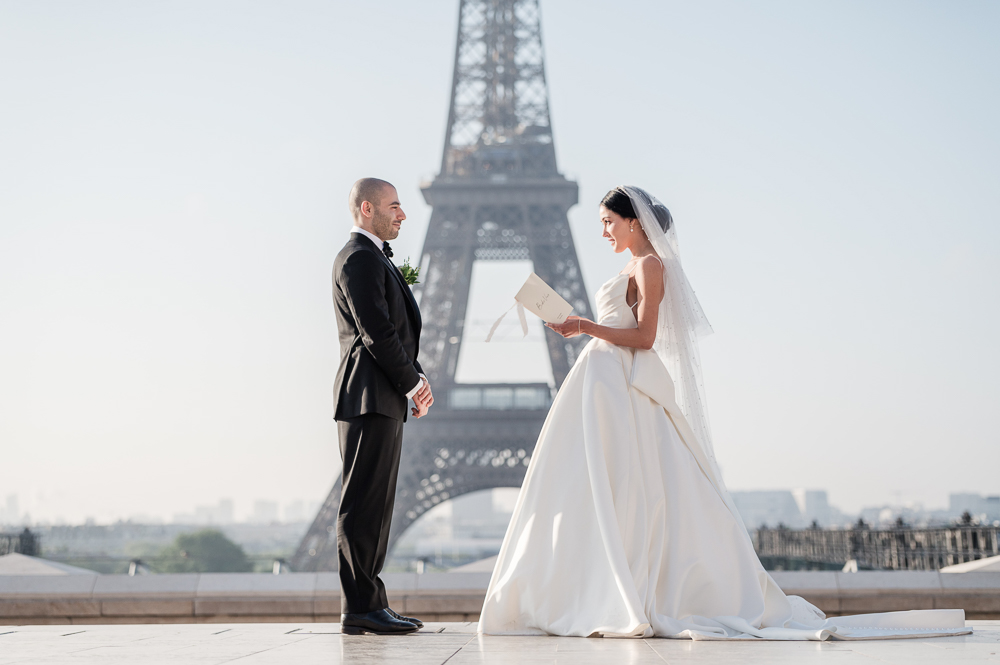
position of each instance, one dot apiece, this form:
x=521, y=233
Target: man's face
x=387, y=215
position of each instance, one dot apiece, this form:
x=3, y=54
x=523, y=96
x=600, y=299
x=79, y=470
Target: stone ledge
x=147, y=607
x=49, y=607
x=315, y=597
x=253, y=606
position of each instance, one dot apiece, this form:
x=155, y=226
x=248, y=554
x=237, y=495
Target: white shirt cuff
x=415, y=388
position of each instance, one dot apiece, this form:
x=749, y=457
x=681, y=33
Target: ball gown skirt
x=622, y=529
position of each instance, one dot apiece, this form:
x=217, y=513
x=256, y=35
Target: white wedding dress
x=622, y=529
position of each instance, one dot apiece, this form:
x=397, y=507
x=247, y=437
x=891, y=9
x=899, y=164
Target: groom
x=379, y=328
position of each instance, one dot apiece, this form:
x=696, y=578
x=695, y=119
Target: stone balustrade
x=315, y=597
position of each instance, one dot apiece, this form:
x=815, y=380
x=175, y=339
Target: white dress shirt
x=371, y=236
x=379, y=243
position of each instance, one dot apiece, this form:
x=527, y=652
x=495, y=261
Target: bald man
x=379, y=328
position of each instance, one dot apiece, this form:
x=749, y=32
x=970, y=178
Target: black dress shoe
x=416, y=622
x=379, y=622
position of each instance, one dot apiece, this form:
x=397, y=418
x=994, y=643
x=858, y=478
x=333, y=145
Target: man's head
x=375, y=207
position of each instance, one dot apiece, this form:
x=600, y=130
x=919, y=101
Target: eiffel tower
x=498, y=197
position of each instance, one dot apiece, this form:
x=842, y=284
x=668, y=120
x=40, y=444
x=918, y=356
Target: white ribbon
x=520, y=315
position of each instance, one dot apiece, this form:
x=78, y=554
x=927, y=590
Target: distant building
x=911, y=515
x=797, y=508
x=768, y=507
x=813, y=506
x=472, y=516
x=11, y=512
x=264, y=512
x=468, y=528
x=296, y=511
x=983, y=508
x=221, y=513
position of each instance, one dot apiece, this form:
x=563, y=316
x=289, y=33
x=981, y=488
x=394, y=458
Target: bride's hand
x=571, y=327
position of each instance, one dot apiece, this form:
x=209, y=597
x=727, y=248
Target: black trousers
x=369, y=445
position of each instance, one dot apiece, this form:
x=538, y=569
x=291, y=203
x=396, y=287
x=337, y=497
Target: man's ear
x=366, y=208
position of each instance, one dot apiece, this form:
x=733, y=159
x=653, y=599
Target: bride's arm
x=649, y=280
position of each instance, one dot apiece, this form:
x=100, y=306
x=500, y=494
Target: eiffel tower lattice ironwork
x=498, y=197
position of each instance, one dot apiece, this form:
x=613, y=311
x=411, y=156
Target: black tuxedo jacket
x=379, y=328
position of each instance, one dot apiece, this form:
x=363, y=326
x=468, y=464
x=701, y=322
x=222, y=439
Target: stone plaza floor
x=452, y=643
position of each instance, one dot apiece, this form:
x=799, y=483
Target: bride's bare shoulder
x=650, y=265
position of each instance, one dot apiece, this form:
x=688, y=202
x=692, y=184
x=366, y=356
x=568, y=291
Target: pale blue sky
x=173, y=178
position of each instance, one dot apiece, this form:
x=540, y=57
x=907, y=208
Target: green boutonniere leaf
x=410, y=274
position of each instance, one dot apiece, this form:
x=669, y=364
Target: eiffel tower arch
x=498, y=197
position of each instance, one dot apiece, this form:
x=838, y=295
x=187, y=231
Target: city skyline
x=175, y=181
x=795, y=508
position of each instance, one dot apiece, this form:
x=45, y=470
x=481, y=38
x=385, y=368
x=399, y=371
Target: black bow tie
x=386, y=250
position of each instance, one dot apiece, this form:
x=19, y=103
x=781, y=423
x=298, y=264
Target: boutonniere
x=410, y=274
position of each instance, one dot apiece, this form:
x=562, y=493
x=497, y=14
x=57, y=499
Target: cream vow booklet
x=541, y=300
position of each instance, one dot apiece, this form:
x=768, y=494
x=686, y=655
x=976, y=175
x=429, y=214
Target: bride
x=623, y=526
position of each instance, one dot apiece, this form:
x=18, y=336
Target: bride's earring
x=630, y=228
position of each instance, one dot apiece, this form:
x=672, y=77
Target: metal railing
x=897, y=548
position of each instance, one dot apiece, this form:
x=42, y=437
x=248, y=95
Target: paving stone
x=454, y=643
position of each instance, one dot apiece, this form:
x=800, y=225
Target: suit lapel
x=402, y=283
x=411, y=301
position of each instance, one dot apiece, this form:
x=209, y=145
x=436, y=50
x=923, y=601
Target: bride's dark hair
x=617, y=201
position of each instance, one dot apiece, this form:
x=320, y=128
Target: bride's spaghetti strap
x=632, y=274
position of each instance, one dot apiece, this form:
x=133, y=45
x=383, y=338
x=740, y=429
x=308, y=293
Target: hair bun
x=663, y=216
